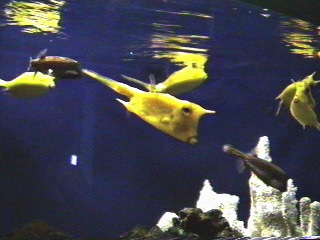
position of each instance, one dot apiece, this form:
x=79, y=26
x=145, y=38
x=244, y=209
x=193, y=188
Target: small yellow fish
x=28, y=85
x=181, y=81
x=301, y=108
x=286, y=96
x=175, y=117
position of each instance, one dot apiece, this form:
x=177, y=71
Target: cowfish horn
x=210, y=111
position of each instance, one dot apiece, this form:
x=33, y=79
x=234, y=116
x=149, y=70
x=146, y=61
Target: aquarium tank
x=173, y=119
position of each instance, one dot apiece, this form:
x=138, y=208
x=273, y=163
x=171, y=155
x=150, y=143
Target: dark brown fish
x=267, y=172
x=59, y=67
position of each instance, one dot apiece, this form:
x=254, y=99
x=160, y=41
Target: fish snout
x=192, y=140
x=51, y=85
x=280, y=184
x=227, y=148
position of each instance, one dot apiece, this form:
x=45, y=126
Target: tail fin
x=119, y=87
x=279, y=107
x=30, y=62
x=3, y=83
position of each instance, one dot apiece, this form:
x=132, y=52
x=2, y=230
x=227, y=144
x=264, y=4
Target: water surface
x=127, y=172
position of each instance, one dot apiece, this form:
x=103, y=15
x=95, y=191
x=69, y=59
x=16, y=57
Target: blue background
x=130, y=173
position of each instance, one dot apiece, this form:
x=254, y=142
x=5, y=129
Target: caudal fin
x=30, y=63
x=279, y=107
x=3, y=83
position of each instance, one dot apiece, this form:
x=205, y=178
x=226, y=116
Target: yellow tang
x=300, y=107
x=179, y=82
x=178, y=118
x=28, y=85
x=286, y=96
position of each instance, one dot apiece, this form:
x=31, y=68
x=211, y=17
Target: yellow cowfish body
x=286, y=96
x=301, y=108
x=175, y=117
x=28, y=85
x=179, y=82
x=310, y=82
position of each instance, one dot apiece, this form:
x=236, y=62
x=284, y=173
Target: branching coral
x=272, y=213
x=227, y=203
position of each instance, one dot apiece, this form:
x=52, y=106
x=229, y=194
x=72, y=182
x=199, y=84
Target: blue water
x=128, y=172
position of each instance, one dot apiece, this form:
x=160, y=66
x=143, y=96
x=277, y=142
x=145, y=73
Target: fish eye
x=186, y=111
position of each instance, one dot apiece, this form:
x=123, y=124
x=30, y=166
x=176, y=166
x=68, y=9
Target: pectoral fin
x=124, y=103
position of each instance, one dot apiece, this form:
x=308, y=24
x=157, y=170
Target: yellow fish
x=181, y=81
x=28, y=85
x=286, y=96
x=300, y=107
x=175, y=117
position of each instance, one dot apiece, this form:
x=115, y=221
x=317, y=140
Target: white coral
x=272, y=213
x=227, y=203
x=166, y=221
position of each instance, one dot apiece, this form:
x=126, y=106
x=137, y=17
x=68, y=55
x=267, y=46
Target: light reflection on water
x=180, y=49
x=35, y=17
x=166, y=42
x=301, y=37
x=186, y=13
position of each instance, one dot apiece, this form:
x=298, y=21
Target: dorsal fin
x=152, y=83
x=42, y=54
x=134, y=80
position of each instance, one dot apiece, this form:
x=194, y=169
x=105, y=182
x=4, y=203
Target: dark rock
x=136, y=232
x=38, y=230
x=192, y=224
x=204, y=224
